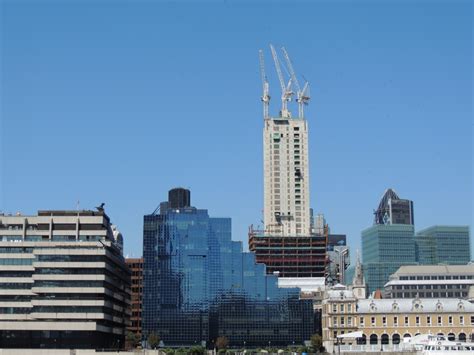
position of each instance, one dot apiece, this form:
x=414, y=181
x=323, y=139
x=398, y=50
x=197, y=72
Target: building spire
x=358, y=279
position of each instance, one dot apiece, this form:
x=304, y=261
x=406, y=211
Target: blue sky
x=117, y=102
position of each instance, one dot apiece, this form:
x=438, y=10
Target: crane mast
x=302, y=96
x=286, y=92
x=266, y=87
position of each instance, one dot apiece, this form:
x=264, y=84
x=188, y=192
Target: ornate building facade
x=384, y=323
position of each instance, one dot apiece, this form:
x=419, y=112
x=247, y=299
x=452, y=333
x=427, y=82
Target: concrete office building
x=431, y=281
x=443, y=245
x=63, y=281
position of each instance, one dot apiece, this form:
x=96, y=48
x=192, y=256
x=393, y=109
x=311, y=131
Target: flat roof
x=435, y=270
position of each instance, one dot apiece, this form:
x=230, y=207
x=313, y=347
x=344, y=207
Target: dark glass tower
x=199, y=285
x=394, y=210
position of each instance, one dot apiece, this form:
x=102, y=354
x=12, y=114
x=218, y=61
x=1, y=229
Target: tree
x=222, y=343
x=153, y=340
x=197, y=350
x=132, y=339
x=316, y=342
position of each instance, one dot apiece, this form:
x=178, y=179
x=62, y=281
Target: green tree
x=132, y=339
x=153, y=340
x=316, y=342
x=302, y=349
x=197, y=350
x=222, y=343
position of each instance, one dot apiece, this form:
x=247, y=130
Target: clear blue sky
x=117, y=102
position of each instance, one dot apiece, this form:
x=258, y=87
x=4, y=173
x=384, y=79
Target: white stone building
x=286, y=177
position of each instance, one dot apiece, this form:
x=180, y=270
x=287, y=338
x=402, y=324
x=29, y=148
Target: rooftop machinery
x=288, y=88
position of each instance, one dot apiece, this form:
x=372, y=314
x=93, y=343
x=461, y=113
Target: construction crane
x=302, y=95
x=286, y=93
x=266, y=88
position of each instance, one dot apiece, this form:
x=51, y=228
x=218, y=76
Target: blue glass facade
x=443, y=244
x=384, y=249
x=199, y=285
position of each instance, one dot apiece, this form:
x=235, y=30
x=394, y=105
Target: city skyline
x=109, y=115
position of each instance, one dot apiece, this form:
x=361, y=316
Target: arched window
x=384, y=339
x=451, y=337
x=407, y=335
x=362, y=340
x=374, y=339
x=396, y=339
x=462, y=337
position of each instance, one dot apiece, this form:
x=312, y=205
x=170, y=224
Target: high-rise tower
x=286, y=176
x=285, y=157
x=288, y=244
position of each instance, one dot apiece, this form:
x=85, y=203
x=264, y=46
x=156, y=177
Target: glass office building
x=389, y=243
x=443, y=245
x=199, y=285
x=384, y=249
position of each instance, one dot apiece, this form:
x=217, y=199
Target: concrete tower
x=285, y=157
x=286, y=176
x=288, y=244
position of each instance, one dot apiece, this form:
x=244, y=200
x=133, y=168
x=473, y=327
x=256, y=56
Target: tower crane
x=286, y=93
x=302, y=95
x=266, y=88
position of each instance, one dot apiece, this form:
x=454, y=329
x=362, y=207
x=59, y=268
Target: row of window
x=277, y=128
x=56, y=238
x=429, y=287
x=430, y=294
x=373, y=320
x=438, y=277
x=342, y=307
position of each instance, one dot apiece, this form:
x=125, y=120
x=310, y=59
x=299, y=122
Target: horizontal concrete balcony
x=42, y=325
x=71, y=302
x=77, y=251
x=69, y=277
x=67, y=315
x=16, y=256
x=23, y=280
x=68, y=289
x=16, y=304
x=69, y=264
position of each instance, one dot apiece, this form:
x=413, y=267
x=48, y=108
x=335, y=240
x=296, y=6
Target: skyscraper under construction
x=288, y=244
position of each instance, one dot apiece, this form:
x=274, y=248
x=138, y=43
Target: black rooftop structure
x=179, y=198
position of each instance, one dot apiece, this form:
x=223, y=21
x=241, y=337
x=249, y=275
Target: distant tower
x=394, y=210
x=358, y=282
